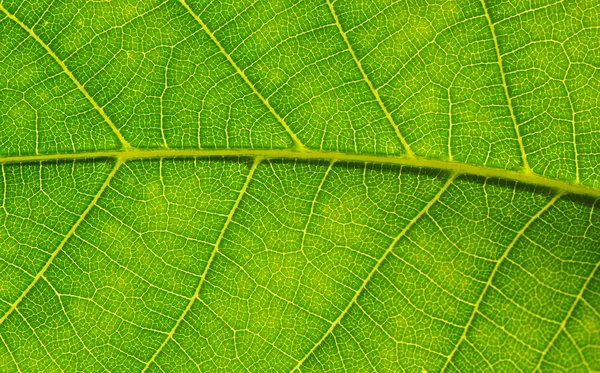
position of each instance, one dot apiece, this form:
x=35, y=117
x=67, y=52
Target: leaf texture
x=306, y=186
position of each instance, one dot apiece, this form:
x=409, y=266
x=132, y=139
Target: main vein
x=62, y=64
x=328, y=156
x=376, y=268
x=208, y=264
x=388, y=115
x=499, y=262
x=526, y=167
x=297, y=143
x=64, y=241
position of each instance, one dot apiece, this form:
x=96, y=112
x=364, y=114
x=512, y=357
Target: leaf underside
x=278, y=186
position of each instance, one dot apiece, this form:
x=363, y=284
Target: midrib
x=451, y=166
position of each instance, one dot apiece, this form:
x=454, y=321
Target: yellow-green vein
x=64, y=241
x=306, y=155
x=12, y=356
x=563, y=324
x=375, y=269
x=388, y=115
x=208, y=264
x=488, y=283
x=66, y=70
x=526, y=167
x=297, y=143
x=64, y=310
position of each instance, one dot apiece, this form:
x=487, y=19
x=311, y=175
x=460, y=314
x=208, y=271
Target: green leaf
x=300, y=185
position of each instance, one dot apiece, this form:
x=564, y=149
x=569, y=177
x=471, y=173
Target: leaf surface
x=300, y=186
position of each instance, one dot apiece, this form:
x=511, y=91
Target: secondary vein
x=208, y=264
x=525, y=165
x=297, y=143
x=388, y=115
x=375, y=269
x=62, y=244
x=66, y=70
x=563, y=324
x=500, y=260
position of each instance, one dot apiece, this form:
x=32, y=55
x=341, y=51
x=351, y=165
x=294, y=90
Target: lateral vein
x=62, y=244
x=504, y=255
x=208, y=264
x=374, y=91
x=297, y=143
x=66, y=70
x=375, y=269
x=563, y=324
x=525, y=165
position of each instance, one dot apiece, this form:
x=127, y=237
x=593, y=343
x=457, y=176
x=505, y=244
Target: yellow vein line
x=572, y=108
x=64, y=241
x=563, y=324
x=526, y=167
x=375, y=269
x=122, y=140
x=493, y=274
x=308, y=155
x=208, y=264
x=407, y=148
x=297, y=143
